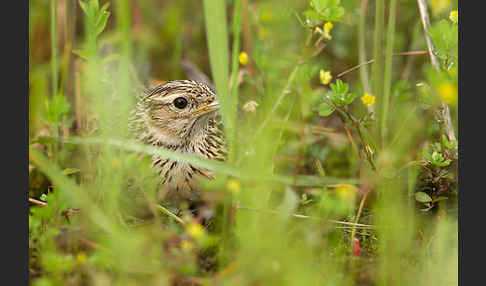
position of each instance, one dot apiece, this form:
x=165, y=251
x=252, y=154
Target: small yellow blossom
x=266, y=16
x=368, y=99
x=318, y=30
x=243, y=58
x=346, y=192
x=233, y=186
x=448, y=92
x=81, y=258
x=325, y=76
x=195, y=230
x=310, y=3
x=454, y=16
x=327, y=30
x=186, y=245
x=250, y=106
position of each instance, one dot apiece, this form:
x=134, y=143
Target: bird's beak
x=214, y=106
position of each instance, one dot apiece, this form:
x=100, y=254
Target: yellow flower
x=310, y=3
x=325, y=76
x=243, y=58
x=233, y=186
x=346, y=192
x=448, y=92
x=266, y=16
x=368, y=99
x=327, y=30
x=454, y=16
x=195, y=230
x=318, y=30
x=81, y=258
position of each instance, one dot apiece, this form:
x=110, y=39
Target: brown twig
x=358, y=215
x=360, y=225
x=37, y=202
x=349, y=134
x=410, y=53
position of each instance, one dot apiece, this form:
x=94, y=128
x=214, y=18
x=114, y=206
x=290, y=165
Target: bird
x=181, y=116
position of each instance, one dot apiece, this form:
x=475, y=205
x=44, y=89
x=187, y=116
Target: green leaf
x=84, y=7
x=427, y=155
x=422, y=197
x=327, y=10
x=101, y=23
x=312, y=18
x=325, y=109
x=70, y=171
x=217, y=39
x=81, y=53
x=445, y=38
x=443, y=164
x=436, y=156
x=339, y=94
x=104, y=7
x=43, y=198
x=348, y=98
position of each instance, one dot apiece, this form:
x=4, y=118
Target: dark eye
x=180, y=102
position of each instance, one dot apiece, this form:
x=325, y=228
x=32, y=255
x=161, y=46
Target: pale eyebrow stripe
x=168, y=98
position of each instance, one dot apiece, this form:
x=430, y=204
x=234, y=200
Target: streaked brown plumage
x=180, y=116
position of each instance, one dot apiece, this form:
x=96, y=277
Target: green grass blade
x=220, y=167
x=217, y=38
x=388, y=69
x=379, y=63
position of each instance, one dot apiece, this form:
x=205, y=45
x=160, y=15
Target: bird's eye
x=180, y=102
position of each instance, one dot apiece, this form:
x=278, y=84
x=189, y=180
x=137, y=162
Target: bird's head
x=178, y=111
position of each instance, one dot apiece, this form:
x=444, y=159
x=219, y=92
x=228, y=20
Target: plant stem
x=54, y=46
x=344, y=113
x=228, y=202
x=365, y=81
x=217, y=39
x=54, y=73
x=170, y=214
x=358, y=215
x=388, y=69
x=378, y=56
x=124, y=28
x=235, y=64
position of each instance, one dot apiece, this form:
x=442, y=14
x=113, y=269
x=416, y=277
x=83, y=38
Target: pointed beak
x=214, y=106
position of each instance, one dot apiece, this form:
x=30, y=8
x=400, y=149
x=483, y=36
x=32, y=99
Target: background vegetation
x=341, y=120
